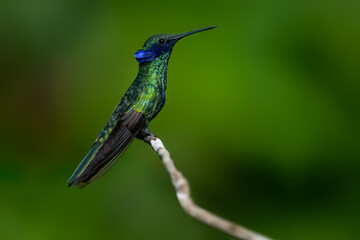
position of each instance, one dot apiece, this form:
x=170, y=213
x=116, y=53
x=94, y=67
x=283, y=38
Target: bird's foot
x=148, y=139
x=146, y=135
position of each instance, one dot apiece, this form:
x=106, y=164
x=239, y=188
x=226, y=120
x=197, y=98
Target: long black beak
x=179, y=36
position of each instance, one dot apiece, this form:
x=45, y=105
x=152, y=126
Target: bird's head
x=160, y=45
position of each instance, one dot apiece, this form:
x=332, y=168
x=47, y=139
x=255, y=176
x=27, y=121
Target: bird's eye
x=161, y=41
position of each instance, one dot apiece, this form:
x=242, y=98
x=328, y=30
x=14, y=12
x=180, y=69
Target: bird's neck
x=154, y=72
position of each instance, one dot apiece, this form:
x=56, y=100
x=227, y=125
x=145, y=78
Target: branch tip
x=182, y=188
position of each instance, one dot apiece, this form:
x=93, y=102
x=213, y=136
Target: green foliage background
x=262, y=116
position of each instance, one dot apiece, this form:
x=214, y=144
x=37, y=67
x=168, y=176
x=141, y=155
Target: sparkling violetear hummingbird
x=141, y=103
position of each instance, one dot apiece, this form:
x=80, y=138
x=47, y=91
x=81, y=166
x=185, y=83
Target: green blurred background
x=262, y=116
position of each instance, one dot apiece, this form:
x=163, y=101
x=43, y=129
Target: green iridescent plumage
x=140, y=104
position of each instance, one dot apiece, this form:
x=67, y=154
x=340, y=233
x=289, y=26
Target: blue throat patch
x=147, y=55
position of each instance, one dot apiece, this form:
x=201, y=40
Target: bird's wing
x=109, y=145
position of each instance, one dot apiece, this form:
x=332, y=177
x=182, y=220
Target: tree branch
x=182, y=188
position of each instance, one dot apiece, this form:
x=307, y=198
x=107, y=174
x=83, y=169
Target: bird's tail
x=101, y=157
x=73, y=180
x=110, y=144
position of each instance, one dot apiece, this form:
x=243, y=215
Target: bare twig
x=183, y=194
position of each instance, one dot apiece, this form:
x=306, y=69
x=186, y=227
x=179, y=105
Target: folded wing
x=109, y=145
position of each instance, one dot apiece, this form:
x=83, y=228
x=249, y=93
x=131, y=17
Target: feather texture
x=104, y=153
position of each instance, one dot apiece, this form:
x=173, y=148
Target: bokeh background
x=262, y=116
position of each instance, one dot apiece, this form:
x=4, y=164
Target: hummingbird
x=141, y=103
